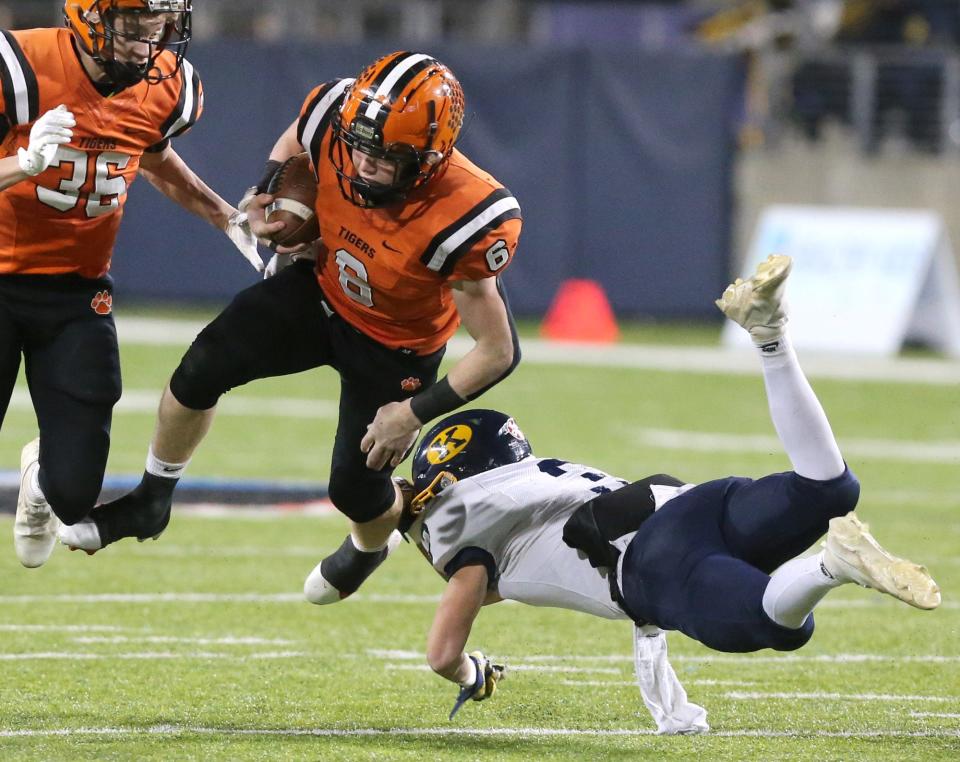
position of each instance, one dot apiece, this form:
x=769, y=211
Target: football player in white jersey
x=718, y=561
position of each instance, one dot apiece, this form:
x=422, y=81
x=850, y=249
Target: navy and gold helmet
x=462, y=445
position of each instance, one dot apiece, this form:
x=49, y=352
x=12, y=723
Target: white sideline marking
x=901, y=450
x=147, y=400
x=157, y=598
x=710, y=360
x=454, y=731
x=60, y=628
x=940, y=715
x=633, y=683
x=146, y=655
x=228, y=641
x=206, y=551
x=519, y=668
x=823, y=695
x=862, y=449
x=378, y=598
x=205, y=598
x=400, y=655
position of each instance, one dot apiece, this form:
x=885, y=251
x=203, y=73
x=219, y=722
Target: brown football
x=294, y=191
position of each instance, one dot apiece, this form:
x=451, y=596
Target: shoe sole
x=870, y=565
x=770, y=274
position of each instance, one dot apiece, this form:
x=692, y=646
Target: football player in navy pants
x=718, y=561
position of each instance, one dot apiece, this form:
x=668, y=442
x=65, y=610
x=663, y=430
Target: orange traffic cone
x=580, y=312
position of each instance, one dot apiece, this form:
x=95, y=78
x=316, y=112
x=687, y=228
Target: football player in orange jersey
x=83, y=109
x=413, y=240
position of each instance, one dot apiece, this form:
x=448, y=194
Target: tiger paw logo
x=410, y=384
x=102, y=303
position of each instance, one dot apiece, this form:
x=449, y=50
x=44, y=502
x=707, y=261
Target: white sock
x=364, y=549
x=797, y=415
x=163, y=469
x=795, y=589
x=34, y=493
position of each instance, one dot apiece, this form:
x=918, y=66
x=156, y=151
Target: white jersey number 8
x=353, y=278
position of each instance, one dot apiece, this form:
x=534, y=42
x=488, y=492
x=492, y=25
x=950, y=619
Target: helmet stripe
x=314, y=122
x=20, y=91
x=399, y=76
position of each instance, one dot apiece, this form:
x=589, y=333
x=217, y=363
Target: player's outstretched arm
x=459, y=605
x=170, y=175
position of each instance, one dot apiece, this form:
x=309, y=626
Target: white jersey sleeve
x=511, y=519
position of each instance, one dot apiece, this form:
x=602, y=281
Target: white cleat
x=349, y=566
x=35, y=528
x=757, y=302
x=851, y=554
x=83, y=535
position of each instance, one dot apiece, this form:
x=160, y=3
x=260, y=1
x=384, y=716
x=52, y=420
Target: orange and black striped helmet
x=161, y=24
x=405, y=107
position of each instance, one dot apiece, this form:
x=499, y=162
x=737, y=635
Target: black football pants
x=279, y=326
x=73, y=372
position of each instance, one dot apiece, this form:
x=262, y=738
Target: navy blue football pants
x=73, y=372
x=701, y=563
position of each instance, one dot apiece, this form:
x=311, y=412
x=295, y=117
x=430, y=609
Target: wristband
x=269, y=170
x=435, y=401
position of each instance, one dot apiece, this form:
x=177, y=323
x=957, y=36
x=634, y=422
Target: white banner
x=864, y=280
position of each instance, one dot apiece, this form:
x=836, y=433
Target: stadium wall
x=622, y=161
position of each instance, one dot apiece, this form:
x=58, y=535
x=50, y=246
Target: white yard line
x=226, y=641
x=825, y=696
x=900, y=450
x=146, y=656
x=633, y=683
x=519, y=668
x=146, y=401
x=60, y=628
x=358, y=598
x=710, y=360
x=400, y=655
x=939, y=715
x=172, y=730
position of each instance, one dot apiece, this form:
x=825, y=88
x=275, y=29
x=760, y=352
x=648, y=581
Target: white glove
x=276, y=264
x=48, y=133
x=279, y=261
x=238, y=231
x=661, y=690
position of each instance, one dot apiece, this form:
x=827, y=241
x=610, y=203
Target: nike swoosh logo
x=388, y=246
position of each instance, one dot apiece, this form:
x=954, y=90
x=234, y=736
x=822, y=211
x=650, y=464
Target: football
x=294, y=191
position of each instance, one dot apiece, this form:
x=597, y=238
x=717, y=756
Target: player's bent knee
x=196, y=383
x=71, y=502
x=763, y=633
x=361, y=500
x=839, y=496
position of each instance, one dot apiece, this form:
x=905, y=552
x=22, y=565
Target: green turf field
x=199, y=647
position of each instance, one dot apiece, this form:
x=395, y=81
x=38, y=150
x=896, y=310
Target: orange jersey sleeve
x=65, y=219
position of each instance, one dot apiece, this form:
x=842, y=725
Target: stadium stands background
x=643, y=139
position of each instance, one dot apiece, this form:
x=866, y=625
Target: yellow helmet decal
x=448, y=444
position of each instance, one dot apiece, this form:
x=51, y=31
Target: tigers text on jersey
x=65, y=219
x=387, y=271
x=514, y=516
